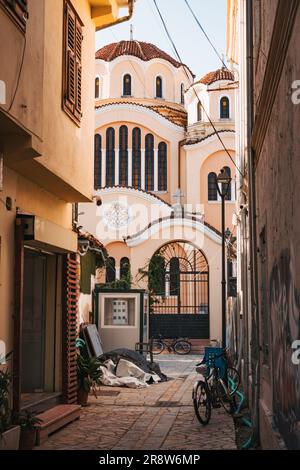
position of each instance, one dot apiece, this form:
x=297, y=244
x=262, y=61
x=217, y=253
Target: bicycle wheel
x=201, y=402
x=233, y=380
x=182, y=347
x=157, y=346
x=224, y=396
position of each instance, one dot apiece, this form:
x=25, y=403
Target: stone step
x=54, y=419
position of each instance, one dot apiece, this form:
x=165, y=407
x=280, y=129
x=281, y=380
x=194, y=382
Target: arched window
x=124, y=267
x=224, y=108
x=97, y=162
x=157, y=274
x=110, y=270
x=199, y=111
x=182, y=93
x=97, y=87
x=123, y=156
x=212, y=187
x=127, y=85
x=174, y=276
x=136, y=158
x=149, y=173
x=110, y=157
x=162, y=167
x=228, y=195
x=158, y=85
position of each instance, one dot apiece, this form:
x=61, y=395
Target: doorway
x=40, y=345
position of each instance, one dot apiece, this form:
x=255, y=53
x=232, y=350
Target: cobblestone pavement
x=157, y=417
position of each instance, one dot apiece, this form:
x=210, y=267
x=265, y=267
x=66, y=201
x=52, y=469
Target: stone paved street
x=158, y=417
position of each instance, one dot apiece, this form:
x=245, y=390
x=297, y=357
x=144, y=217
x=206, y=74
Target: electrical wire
x=196, y=94
x=205, y=34
x=19, y=76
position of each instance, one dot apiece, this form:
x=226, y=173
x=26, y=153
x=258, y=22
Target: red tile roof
x=220, y=74
x=143, y=50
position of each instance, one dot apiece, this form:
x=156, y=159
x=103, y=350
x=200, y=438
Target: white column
x=143, y=168
x=117, y=159
x=155, y=169
x=129, y=167
x=103, y=169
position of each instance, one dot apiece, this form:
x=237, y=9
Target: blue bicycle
x=217, y=386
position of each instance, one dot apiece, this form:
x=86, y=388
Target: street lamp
x=223, y=184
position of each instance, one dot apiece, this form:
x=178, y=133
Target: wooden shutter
x=69, y=328
x=78, y=53
x=19, y=10
x=73, y=68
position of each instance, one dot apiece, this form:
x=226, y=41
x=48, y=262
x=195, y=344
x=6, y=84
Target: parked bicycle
x=178, y=345
x=218, y=388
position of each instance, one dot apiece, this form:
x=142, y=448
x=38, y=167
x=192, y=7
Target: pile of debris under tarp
x=121, y=367
x=129, y=368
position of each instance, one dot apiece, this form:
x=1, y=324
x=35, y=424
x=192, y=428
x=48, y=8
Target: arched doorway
x=179, y=282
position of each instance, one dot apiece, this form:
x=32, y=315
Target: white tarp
x=125, y=374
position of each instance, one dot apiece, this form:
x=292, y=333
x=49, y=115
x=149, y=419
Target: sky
x=190, y=41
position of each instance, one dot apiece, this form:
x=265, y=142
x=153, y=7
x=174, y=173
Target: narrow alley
x=159, y=417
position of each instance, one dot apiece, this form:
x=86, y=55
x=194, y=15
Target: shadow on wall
x=285, y=321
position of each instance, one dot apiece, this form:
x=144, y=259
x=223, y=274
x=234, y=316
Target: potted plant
x=9, y=433
x=28, y=422
x=88, y=377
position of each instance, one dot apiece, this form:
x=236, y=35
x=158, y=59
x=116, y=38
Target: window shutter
x=70, y=60
x=78, y=51
x=72, y=99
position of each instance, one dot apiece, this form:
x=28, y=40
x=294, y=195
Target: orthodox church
x=156, y=199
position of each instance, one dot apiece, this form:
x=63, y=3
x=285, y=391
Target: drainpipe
x=255, y=359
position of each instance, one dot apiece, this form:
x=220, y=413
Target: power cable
x=196, y=94
x=205, y=34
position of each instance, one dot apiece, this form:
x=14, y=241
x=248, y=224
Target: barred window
x=212, y=187
x=182, y=93
x=162, y=167
x=97, y=162
x=136, y=158
x=149, y=179
x=110, y=270
x=159, y=92
x=228, y=195
x=224, y=108
x=124, y=267
x=97, y=88
x=199, y=111
x=127, y=85
x=110, y=157
x=123, y=156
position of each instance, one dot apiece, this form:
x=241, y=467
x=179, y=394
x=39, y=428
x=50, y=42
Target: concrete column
x=129, y=167
x=117, y=159
x=103, y=169
x=143, y=168
x=155, y=169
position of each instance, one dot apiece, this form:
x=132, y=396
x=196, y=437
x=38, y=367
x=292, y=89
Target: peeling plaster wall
x=278, y=189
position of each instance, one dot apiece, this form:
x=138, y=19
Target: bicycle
x=218, y=388
x=178, y=345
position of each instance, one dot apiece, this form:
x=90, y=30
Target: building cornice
x=145, y=109
x=281, y=36
x=167, y=223
x=152, y=198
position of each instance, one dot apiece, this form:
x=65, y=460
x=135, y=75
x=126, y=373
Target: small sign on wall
x=120, y=312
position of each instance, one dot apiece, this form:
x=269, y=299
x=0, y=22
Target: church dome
x=143, y=50
x=220, y=74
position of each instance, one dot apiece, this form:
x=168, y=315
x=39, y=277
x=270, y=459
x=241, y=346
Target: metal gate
x=179, y=279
